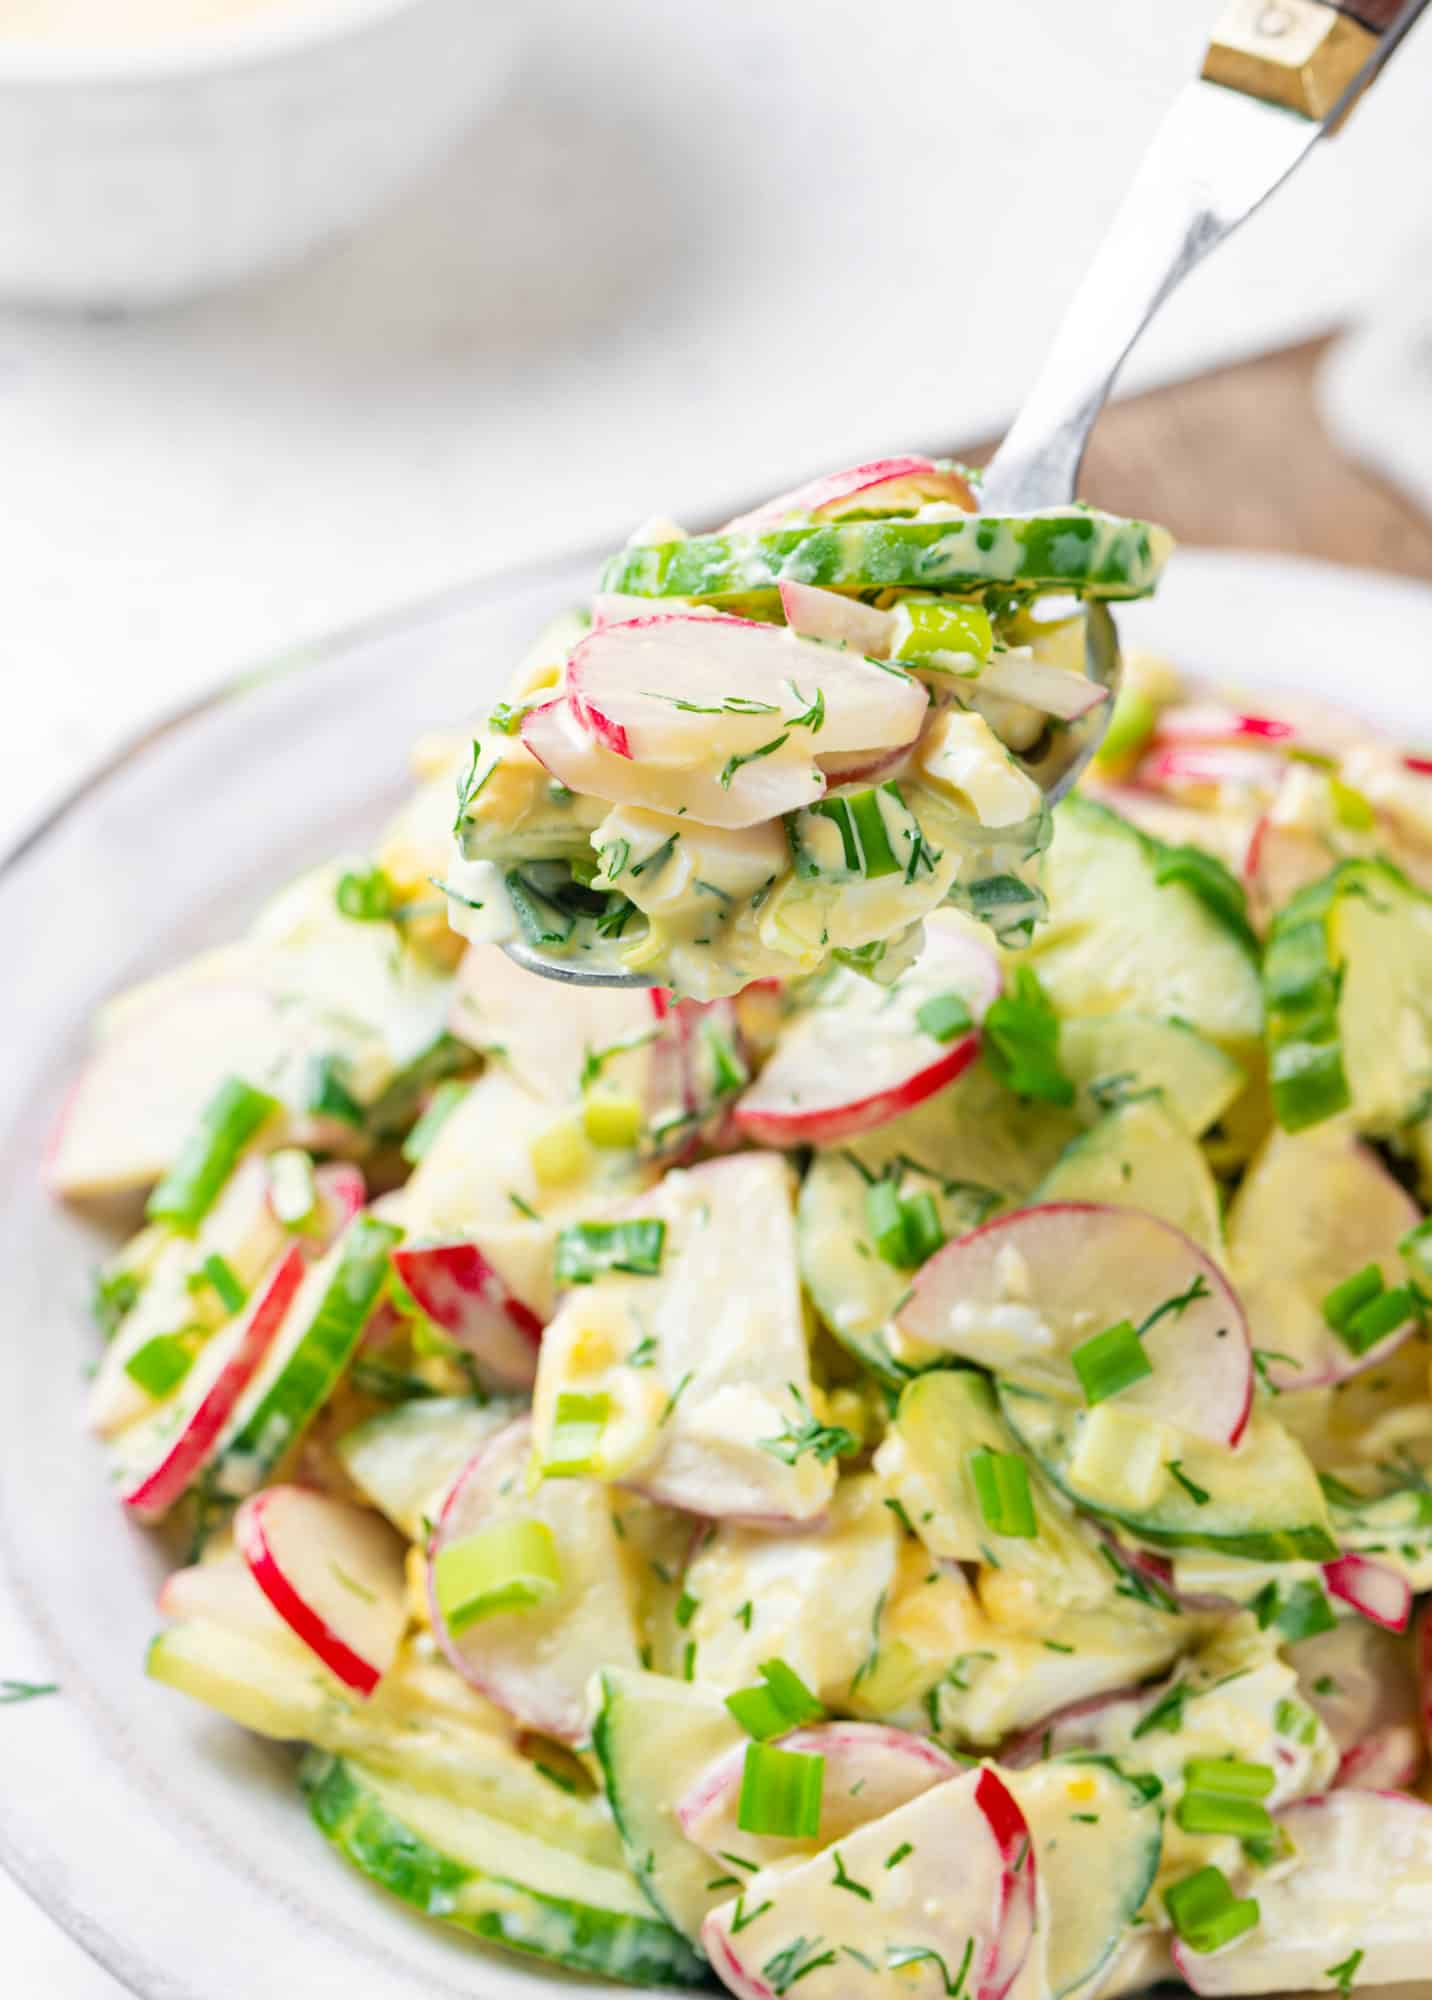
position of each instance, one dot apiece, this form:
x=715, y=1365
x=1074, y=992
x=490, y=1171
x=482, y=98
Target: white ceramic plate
x=171, y=1845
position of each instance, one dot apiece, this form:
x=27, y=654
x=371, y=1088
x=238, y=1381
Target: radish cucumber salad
x=898, y=1461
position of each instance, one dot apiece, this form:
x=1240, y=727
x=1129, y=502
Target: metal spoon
x=1277, y=76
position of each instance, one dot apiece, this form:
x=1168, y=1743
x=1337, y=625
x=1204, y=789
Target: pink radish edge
x=863, y=1114
x=1372, y=1588
x=167, y=1481
x=300, y=1617
x=826, y=1739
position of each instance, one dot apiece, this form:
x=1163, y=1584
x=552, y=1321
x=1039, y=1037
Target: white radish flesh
x=333, y=1572
x=963, y=1894
x=1019, y=1294
x=1362, y=1883
x=870, y=1770
x=456, y=1285
x=859, y=1056
x=538, y=1663
x=163, y=1459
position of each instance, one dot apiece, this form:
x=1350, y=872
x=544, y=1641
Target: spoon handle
x=1225, y=145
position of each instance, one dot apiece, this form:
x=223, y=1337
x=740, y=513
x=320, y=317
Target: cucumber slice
x=1314, y=1208
x=1140, y=1156
x=1116, y=1057
x=1097, y=1839
x=422, y=1724
x=301, y=1370
x=1348, y=983
x=405, y=1459
x=1079, y=550
x=943, y=1419
x=653, y=1737
x=486, y=1877
x=1120, y=938
x=1263, y=1499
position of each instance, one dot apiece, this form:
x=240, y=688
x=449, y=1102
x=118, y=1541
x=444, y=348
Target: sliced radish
x=456, y=1285
x=1390, y=1760
x=1372, y=1588
x=859, y=1055
x=852, y=767
x=170, y=1450
x=1021, y=1293
x=1280, y=860
x=1314, y=1208
x=537, y=1664
x=1211, y=722
x=1362, y=1884
x=1083, y=1725
x=870, y=1770
x=961, y=1892
x=1424, y=1668
x=1056, y=691
x=839, y=621
x=222, y=1592
x=882, y=485
x=1199, y=766
x=333, y=1572
x=685, y=693
x=558, y=739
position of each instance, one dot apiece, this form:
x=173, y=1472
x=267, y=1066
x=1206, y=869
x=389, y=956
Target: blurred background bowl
x=146, y=172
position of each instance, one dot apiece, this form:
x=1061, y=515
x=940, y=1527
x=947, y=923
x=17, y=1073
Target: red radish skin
x=1071, y=1728
x=457, y=1286
x=1202, y=1377
x=364, y=1587
x=1421, y=765
x=189, y=1452
x=890, y=1766
x=891, y=481
x=611, y=735
x=1391, y=1761
x=1208, y=765
x=1370, y=1587
x=810, y=1092
x=851, y=767
x=1207, y=722
x=955, y=1818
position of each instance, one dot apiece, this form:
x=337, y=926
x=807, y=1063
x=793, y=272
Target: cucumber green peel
x=1303, y=989
x=1079, y=550
x=637, y=1949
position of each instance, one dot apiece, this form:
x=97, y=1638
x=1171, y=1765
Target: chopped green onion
x=729, y=1073
x=440, y=1107
x=1002, y=1484
x=944, y=1016
x=1351, y=1295
x=906, y=1229
x=505, y=719
x=1225, y=1795
x=780, y=1792
x=687, y=1607
x=366, y=895
x=1110, y=1361
x=782, y=1701
x=864, y=837
x=940, y=624
x=1383, y=1315
x=1291, y=1719
x=1344, y=1973
x=585, y=1250
x=328, y=1096
x=115, y=1294
x=161, y=1364
x=511, y=1566
x=1205, y=1912
x=577, y=1427
x=1351, y=808
x=293, y=1190
x=1021, y=1041
x=227, y=1123
x=1416, y=1247
x=923, y=1234
x=221, y=1274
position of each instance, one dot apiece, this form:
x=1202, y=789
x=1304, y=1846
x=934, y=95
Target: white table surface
x=700, y=252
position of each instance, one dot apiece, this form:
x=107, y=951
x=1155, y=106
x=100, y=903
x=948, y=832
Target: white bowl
x=172, y=1845
x=144, y=173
